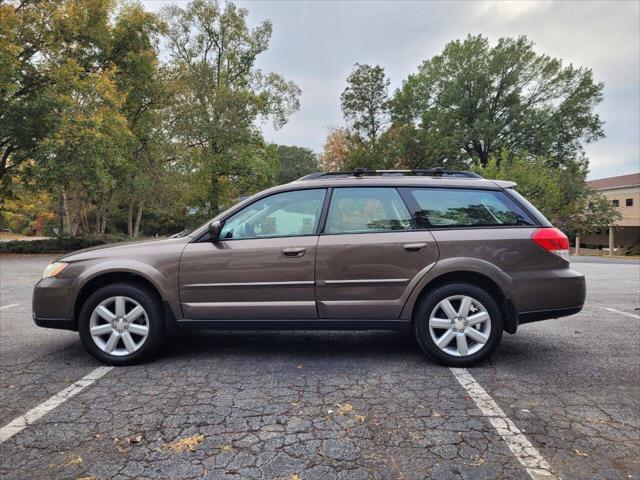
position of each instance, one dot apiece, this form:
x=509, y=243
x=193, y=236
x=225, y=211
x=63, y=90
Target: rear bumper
x=545, y=294
x=538, y=315
x=547, y=290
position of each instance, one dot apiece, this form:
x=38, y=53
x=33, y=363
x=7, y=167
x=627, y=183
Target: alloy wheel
x=119, y=326
x=460, y=325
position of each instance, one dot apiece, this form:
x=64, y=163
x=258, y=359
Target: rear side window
x=448, y=207
x=363, y=209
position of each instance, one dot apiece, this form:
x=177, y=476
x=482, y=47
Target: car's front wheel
x=458, y=324
x=121, y=324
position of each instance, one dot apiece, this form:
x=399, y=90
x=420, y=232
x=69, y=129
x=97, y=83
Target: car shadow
x=293, y=344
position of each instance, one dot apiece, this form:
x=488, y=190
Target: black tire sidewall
x=152, y=307
x=428, y=303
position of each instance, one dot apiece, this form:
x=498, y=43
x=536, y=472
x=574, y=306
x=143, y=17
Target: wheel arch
x=105, y=278
x=495, y=283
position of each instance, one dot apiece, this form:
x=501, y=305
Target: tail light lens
x=553, y=240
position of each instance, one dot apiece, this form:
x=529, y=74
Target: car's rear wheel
x=121, y=324
x=458, y=324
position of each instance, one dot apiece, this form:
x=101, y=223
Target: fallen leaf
x=329, y=411
x=345, y=408
x=134, y=439
x=295, y=476
x=226, y=448
x=582, y=454
x=435, y=414
x=300, y=366
x=188, y=443
x=477, y=462
x=75, y=461
x=88, y=478
x=359, y=418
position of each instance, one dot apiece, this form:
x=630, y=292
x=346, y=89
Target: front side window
x=448, y=207
x=360, y=210
x=615, y=203
x=629, y=202
x=287, y=214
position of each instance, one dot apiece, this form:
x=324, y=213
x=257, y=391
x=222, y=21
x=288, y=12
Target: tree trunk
x=4, y=161
x=65, y=205
x=103, y=221
x=98, y=222
x=130, y=220
x=215, y=193
x=136, y=228
x=60, y=215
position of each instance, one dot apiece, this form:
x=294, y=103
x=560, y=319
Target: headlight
x=54, y=269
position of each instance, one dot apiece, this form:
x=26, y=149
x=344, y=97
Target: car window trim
x=205, y=236
x=412, y=227
x=416, y=207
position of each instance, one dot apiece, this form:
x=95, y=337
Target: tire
x=139, y=346
x=431, y=319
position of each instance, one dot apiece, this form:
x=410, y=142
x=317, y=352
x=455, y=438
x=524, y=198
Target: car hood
x=125, y=249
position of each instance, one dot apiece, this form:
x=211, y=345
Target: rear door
x=262, y=267
x=369, y=255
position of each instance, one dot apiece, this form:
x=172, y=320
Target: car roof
x=400, y=181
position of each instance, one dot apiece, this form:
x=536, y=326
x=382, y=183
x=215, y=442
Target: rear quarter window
x=449, y=207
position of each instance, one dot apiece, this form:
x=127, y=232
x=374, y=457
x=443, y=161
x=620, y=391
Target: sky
x=316, y=44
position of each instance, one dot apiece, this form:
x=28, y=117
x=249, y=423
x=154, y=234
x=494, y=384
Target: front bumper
x=52, y=304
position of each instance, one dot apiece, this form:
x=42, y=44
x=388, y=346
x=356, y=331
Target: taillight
x=553, y=240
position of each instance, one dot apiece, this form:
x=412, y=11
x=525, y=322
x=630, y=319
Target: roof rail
x=362, y=172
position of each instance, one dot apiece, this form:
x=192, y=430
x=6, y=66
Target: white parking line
x=613, y=310
x=524, y=451
x=45, y=407
x=9, y=306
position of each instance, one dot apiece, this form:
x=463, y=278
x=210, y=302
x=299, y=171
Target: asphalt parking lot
x=327, y=405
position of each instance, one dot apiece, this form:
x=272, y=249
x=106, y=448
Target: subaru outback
x=452, y=257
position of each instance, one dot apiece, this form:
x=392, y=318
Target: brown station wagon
x=453, y=257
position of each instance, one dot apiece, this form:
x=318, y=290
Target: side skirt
x=293, y=324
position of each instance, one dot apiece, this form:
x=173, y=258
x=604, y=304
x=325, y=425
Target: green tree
x=295, y=162
x=561, y=194
x=365, y=102
x=473, y=100
x=221, y=96
x=133, y=50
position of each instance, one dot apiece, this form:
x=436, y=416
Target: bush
x=634, y=250
x=57, y=245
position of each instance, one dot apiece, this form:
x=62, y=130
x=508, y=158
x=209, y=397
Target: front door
x=369, y=257
x=262, y=267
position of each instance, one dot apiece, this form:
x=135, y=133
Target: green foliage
x=634, y=250
x=295, y=162
x=220, y=96
x=365, y=101
x=57, y=245
x=474, y=100
x=561, y=194
x=92, y=117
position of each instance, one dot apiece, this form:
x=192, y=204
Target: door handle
x=294, y=252
x=414, y=247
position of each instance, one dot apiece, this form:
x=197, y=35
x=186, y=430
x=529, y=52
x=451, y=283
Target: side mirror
x=215, y=228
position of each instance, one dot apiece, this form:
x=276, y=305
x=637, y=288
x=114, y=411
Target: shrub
x=57, y=245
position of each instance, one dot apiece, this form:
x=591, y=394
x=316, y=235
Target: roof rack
x=362, y=172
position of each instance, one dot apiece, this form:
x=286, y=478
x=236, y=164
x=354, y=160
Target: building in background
x=624, y=192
